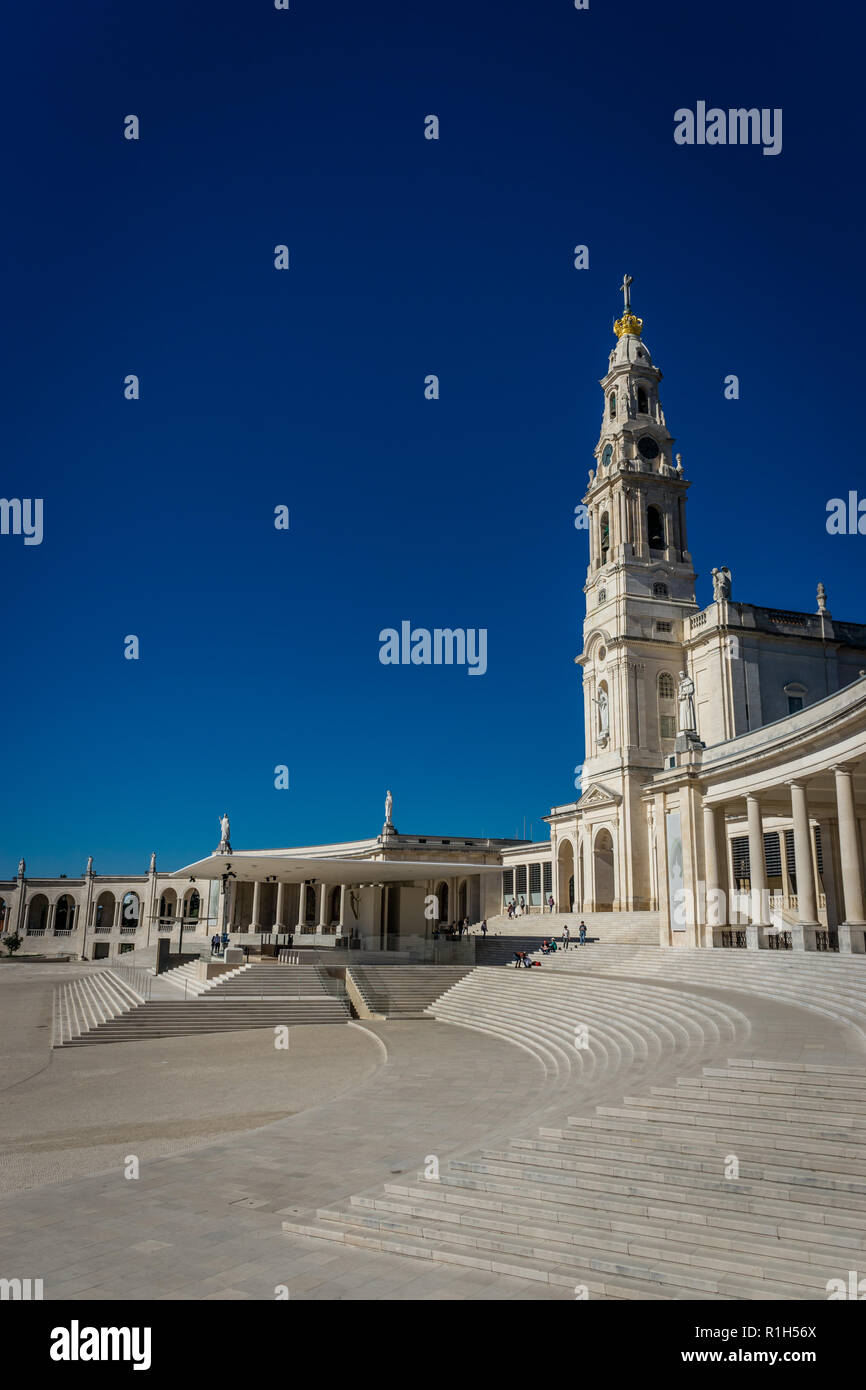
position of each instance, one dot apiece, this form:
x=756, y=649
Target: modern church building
x=723, y=788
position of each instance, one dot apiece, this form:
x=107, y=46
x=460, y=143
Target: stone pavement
x=206, y=1223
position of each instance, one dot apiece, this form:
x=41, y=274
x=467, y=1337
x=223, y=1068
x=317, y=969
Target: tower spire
x=629, y=323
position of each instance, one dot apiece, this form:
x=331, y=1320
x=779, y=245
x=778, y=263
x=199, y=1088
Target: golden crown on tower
x=629, y=323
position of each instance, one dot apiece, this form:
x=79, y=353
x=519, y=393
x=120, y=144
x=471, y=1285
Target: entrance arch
x=565, y=877
x=442, y=902
x=37, y=913
x=603, y=871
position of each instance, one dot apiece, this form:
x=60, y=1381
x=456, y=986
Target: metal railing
x=135, y=976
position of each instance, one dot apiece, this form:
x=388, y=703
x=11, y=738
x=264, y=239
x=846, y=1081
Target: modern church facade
x=723, y=787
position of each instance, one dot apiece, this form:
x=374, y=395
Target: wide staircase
x=89, y=1001
x=186, y=979
x=641, y=1200
x=824, y=982
x=251, y=997
x=394, y=991
x=612, y=928
x=680, y=1178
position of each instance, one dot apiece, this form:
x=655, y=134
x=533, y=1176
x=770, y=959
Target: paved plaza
x=241, y=1145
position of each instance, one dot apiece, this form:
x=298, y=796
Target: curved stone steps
x=834, y=986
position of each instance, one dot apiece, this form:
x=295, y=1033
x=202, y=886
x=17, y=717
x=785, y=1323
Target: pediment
x=598, y=795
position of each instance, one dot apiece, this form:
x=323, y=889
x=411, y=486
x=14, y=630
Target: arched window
x=335, y=903
x=130, y=912
x=642, y=403
x=604, y=534
x=660, y=591
x=611, y=405
x=37, y=914
x=63, y=914
x=667, y=695
x=104, y=916
x=655, y=528
x=193, y=906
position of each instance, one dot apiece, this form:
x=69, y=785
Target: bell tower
x=640, y=583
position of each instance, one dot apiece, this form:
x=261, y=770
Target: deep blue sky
x=306, y=388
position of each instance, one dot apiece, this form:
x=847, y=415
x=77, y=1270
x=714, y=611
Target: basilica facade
x=723, y=787
x=724, y=745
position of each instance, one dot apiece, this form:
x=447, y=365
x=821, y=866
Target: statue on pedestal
x=21, y=868
x=225, y=829
x=721, y=583
x=688, y=723
x=389, y=804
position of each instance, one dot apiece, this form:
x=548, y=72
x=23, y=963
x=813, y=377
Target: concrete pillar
x=343, y=892
x=255, y=924
x=716, y=891
x=324, y=892
x=302, y=904
x=757, y=871
x=849, y=856
x=280, y=919
x=807, y=909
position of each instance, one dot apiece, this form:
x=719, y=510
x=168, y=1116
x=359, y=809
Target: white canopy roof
x=265, y=866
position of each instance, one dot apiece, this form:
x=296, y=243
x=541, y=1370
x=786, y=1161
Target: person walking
x=484, y=927
x=550, y=903
x=566, y=937
x=582, y=933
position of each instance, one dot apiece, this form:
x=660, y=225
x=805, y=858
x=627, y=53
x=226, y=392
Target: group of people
x=457, y=931
x=549, y=946
x=517, y=907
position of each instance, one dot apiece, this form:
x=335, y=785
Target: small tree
x=12, y=942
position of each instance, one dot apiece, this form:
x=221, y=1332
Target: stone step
x=549, y=1240
x=690, y=1187
x=806, y=1231
x=559, y=1263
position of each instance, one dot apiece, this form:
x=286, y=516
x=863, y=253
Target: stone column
x=807, y=909
x=255, y=924
x=342, y=927
x=851, y=929
x=717, y=915
x=323, y=906
x=280, y=919
x=302, y=902
x=804, y=934
x=757, y=872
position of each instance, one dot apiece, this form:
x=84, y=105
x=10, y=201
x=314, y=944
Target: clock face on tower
x=607, y=454
x=648, y=448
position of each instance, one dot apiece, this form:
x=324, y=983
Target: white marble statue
x=21, y=867
x=225, y=830
x=153, y=862
x=688, y=723
x=603, y=713
x=721, y=583
x=389, y=803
